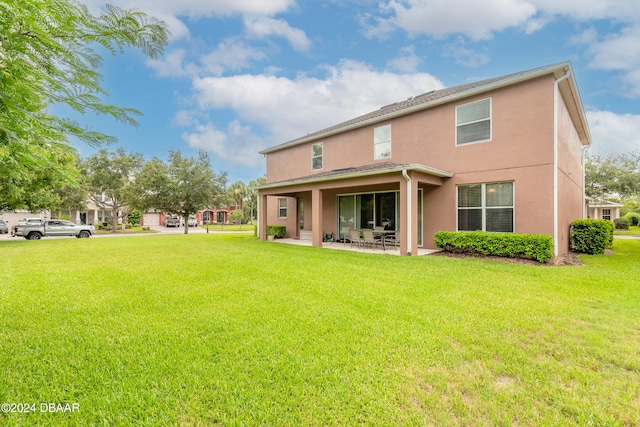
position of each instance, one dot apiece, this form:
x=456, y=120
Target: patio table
x=383, y=235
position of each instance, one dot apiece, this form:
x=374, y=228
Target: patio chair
x=392, y=239
x=346, y=232
x=370, y=239
x=355, y=237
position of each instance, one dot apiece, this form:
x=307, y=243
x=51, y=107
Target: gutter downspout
x=555, y=160
x=409, y=228
x=585, y=210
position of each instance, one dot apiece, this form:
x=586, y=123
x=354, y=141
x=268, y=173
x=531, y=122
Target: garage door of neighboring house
x=151, y=219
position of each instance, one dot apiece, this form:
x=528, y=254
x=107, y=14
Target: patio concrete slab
x=347, y=247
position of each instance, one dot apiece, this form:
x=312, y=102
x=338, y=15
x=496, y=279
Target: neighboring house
x=217, y=215
x=504, y=154
x=13, y=217
x=602, y=209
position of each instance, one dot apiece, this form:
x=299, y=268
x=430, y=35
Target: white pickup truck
x=53, y=227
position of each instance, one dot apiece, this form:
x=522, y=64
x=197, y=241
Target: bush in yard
x=134, y=217
x=633, y=218
x=530, y=246
x=276, y=230
x=591, y=236
x=621, y=223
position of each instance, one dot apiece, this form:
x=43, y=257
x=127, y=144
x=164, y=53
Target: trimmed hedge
x=633, y=218
x=276, y=230
x=530, y=246
x=591, y=236
x=621, y=223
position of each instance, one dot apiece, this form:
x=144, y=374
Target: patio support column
x=262, y=217
x=414, y=215
x=408, y=214
x=404, y=214
x=316, y=217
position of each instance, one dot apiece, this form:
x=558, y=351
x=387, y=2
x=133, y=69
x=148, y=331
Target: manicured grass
x=632, y=231
x=133, y=230
x=214, y=329
x=229, y=227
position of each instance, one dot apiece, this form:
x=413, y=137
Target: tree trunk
x=114, y=220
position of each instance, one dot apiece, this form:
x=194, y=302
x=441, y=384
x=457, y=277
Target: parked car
x=172, y=221
x=53, y=227
x=192, y=222
x=4, y=226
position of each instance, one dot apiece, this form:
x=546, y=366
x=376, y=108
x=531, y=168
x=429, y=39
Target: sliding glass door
x=366, y=210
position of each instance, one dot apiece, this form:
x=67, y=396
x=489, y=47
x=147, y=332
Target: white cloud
x=613, y=133
x=618, y=52
x=262, y=26
x=171, y=65
x=171, y=11
x=480, y=19
x=463, y=55
x=232, y=55
x=204, y=8
x=588, y=36
x=229, y=55
x=477, y=19
x=294, y=107
x=585, y=10
x=407, y=61
x=285, y=108
x=237, y=145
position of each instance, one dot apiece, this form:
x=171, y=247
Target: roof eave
x=413, y=167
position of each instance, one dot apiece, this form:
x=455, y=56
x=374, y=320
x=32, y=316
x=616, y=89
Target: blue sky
x=242, y=75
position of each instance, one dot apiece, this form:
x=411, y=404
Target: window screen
x=473, y=122
x=382, y=142
x=316, y=156
x=486, y=207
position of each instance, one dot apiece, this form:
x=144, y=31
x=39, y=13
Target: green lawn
x=632, y=231
x=214, y=329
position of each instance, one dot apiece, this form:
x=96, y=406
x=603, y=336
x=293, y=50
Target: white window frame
x=282, y=207
x=314, y=157
x=606, y=214
x=490, y=119
x=379, y=141
x=483, y=204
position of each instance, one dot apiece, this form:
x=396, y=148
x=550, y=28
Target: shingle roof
x=358, y=171
x=424, y=101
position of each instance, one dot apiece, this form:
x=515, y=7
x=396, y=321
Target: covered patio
x=388, y=195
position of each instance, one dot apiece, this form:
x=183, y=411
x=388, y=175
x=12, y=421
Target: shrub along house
x=503, y=154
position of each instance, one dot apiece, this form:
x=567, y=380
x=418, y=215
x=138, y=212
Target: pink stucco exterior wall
x=521, y=150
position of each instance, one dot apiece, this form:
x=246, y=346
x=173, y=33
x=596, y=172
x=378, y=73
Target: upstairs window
x=382, y=142
x=316, y=156
x=473, y=122
x=486, y=207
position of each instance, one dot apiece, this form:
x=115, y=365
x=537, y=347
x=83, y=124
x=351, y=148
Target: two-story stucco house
x=503, y=154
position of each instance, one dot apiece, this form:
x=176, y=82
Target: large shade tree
x=182, y=186
x=615, y=176
x=110, y=181
x=47, y=57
